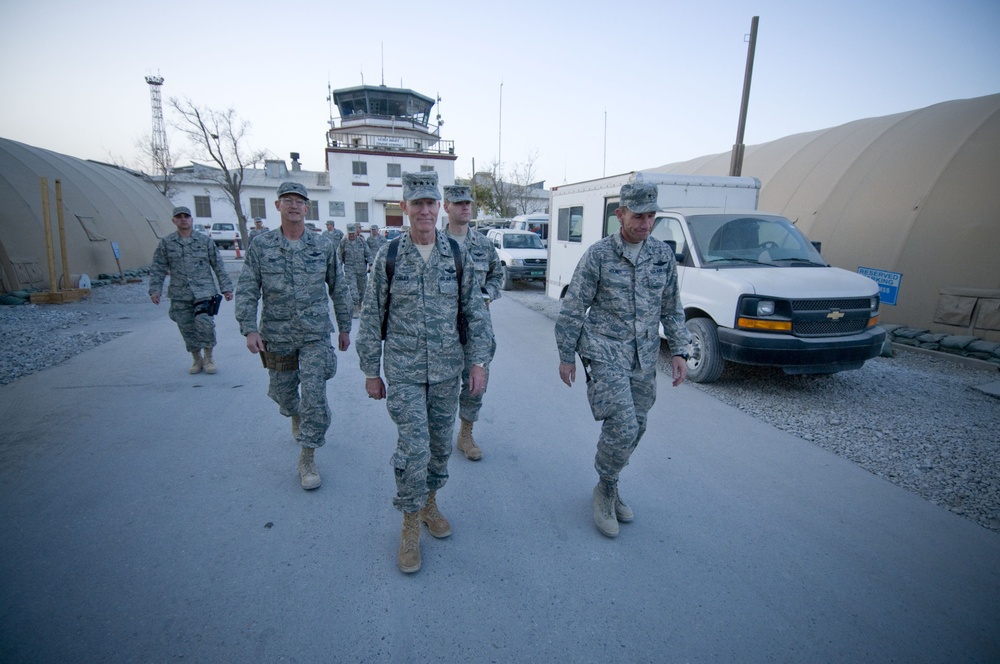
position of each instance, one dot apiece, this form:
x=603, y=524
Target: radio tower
x=159, y=133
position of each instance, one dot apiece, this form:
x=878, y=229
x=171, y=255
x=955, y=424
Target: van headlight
x=874, y=304
x=765, y=308
x=517, y=261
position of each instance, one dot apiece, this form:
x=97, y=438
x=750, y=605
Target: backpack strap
x=390, y=270
x=460, y=322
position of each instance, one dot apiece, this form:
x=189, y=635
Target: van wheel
x=706, y=363
x=506, y=283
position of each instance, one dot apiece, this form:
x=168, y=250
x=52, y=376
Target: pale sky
x=666, y=75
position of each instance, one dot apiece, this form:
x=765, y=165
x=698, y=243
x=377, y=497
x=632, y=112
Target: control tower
x=379, y=117
x=383, y=132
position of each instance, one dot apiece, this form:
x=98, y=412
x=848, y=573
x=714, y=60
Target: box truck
x=754, y=289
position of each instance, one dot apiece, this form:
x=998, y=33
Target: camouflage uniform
x=610, y=317
x=375, y=242
x=488, y=277
x=254, y=232
x=422, y=358
x=294, y=282
x=190, y=262
x=335, y=236
x=356, y=257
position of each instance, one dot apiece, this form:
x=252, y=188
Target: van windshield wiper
x=799, y=262
x=738, y=260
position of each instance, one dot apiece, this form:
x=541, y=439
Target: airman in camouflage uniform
x=458, y=206
x=623, y=288
x=375, y=240
x=258, y=229
x=294, y=271
x=190, y=258
x=335, y=234
x=422, y=356
x=356, y=257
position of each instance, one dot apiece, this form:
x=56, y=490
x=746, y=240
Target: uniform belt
x=276, y=362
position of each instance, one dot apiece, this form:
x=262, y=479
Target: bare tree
x=507, y=195
x=156, y=163
x=220, y=137
x=523, y=185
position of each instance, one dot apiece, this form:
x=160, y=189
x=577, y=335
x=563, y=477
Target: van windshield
x=732, y=239
x=522, y=241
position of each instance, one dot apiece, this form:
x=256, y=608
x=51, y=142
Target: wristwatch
x=685, y=356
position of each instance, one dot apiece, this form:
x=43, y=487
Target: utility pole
x=736, y=163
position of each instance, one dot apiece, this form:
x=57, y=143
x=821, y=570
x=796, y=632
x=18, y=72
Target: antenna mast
x=159, y=133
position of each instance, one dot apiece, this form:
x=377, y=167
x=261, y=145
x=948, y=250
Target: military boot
x=437, y=525
x=209, y=363
x=467, y=444
x=622, y=511
x=604, y=508
x=308, y=474
x=196, y=367
x=409, y=544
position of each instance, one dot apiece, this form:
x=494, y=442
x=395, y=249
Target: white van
x=754, y=289
x=536, y=223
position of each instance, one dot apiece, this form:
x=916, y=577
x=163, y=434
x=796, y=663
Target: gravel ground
x=914, y=420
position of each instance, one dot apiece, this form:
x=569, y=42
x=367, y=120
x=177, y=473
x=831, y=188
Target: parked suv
x=522, y=256
x=224, y=234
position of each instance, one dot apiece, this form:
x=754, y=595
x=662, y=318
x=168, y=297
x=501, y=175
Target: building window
x=337, y=209
x=361, y=213
x=258, y=208
x=426, y=169
x=313, y=213
x=359, y=167
x=570, y=224
x=202, y=206
x=394, y=170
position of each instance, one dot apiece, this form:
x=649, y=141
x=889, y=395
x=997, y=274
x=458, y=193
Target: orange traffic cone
x=237, y=245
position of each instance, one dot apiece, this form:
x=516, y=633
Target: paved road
x=153, y=516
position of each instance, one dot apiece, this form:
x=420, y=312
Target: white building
x=383, y=133
x=197, y=186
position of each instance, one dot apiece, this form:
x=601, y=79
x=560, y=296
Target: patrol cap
x=640, y=197
x=374, y=227
x=181, y=209
x=292, y=188
x=457, y=193
x=421, y=185
x=330, y=223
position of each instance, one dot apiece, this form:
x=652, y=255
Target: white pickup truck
x=224, y=234
x=754, y=289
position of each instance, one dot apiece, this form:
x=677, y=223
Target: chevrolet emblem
x=835, y=315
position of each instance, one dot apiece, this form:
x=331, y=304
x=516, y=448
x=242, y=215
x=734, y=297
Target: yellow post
x=47, y=220
x=62, y=235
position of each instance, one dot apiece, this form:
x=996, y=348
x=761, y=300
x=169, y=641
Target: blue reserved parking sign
x=888, y=283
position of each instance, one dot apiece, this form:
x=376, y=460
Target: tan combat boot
x=604, y=508
x=437, y=525
x=622, y=511
x=409, y=544
x=196, y=367
x=209, y=363
x=308, y=474
x=467, y=444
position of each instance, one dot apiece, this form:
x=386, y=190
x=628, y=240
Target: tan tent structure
x=102, y=204
x=915, y=193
